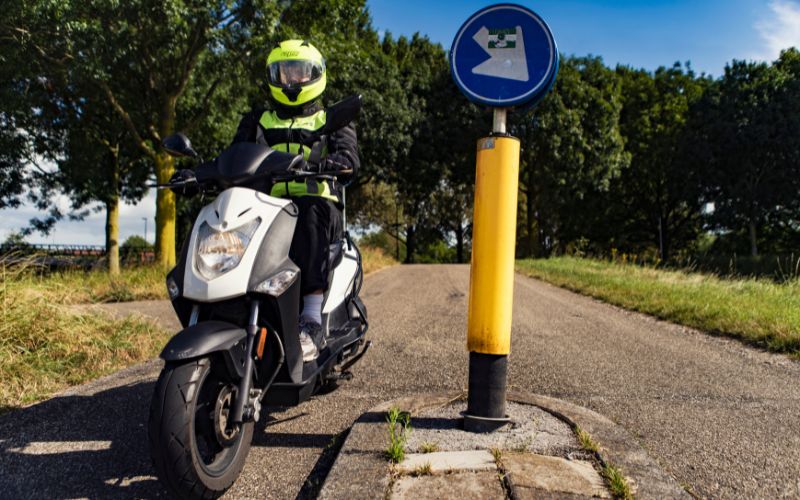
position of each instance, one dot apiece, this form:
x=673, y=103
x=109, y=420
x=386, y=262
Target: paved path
x=723, y=418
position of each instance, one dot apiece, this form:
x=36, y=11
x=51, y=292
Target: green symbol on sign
x=505, y=38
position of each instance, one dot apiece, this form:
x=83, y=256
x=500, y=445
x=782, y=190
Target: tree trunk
x=531, y=227
x=165, y=213
x=459, y=243
x=410, y=244
x=753, y=243
x=112, y=235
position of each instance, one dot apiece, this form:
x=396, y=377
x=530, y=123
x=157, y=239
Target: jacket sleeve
x=248, y=126
x=343, y=151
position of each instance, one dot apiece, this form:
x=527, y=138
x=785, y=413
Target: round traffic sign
x=504, y=55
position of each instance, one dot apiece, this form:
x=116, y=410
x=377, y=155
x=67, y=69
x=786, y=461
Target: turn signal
x=262, y=339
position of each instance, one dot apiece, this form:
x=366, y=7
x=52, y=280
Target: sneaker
x=312, y=339
x=310, y=351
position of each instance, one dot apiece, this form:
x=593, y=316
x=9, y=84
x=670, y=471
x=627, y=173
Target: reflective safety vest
x=293, y=135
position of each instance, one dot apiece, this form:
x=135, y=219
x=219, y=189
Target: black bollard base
x=486, y=402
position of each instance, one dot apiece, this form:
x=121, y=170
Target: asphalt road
x=723, y=418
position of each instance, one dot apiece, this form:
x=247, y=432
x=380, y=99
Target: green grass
x=45, y=348
x=613, y=476
x=423, y=470
x=587, y=443
x=757, y=311
x=497, y=453
x=79, y=287
x=133, y=283
x=427, y=447
x=399, y=428
x=617, y=483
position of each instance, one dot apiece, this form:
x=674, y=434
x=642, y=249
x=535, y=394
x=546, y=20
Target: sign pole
x=502, y=56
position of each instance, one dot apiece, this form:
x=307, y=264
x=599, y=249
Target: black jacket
x=342, y=144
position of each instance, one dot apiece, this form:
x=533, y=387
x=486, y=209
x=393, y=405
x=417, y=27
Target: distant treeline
x=668, y=164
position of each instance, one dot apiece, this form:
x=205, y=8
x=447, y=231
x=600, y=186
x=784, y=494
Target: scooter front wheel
x=196, y=451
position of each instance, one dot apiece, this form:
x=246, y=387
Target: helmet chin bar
x=292, y=93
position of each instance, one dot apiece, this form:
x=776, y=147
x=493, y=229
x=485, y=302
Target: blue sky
x=645, y=34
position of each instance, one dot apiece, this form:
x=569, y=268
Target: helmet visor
x=296, y=72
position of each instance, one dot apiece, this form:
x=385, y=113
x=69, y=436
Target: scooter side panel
x=233, y=208
x=342, y=284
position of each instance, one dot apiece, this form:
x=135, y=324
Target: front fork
x=245, y=385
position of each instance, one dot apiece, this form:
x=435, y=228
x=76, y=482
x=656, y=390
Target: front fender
x=208, y=337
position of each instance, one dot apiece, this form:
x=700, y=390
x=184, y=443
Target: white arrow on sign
x=507, y=50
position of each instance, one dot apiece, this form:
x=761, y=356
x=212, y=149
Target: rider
x=296, y=77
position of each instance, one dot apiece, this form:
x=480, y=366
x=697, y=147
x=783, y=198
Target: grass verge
x=759, y=312
x=83, y=287
x=134, y=283
x=44, y=348
x=374, y=258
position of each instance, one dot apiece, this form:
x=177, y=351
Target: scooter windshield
x=246, y=164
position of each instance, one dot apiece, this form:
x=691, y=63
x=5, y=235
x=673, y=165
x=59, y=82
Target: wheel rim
x=216, y=441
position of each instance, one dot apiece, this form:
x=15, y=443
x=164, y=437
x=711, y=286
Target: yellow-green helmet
x=295, y=73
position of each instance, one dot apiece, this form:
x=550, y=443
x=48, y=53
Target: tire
x=190, y=458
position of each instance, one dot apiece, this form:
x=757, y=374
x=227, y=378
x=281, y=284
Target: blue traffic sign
x=503, y=56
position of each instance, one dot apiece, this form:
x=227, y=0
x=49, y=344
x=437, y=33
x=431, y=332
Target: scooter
x=237, y=294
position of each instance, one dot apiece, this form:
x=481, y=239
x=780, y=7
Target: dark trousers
x=319, y=224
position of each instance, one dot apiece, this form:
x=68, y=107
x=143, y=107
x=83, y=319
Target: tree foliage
x=612, y=159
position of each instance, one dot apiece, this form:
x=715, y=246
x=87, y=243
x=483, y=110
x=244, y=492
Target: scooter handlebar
x=170, y=185
x=296, y=174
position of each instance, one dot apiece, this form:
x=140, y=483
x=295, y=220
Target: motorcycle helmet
x=295, y=73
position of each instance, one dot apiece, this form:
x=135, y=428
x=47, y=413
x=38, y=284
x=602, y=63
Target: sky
x=642, y=34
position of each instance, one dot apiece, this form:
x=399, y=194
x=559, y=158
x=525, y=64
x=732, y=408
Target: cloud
x=91, y=230
x=780, y=30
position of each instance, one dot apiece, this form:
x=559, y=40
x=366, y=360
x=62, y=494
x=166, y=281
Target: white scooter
x=237, y=294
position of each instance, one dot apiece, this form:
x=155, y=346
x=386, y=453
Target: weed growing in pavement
x=617, y=482
x=423, y=470
x=399, y=429
x=427, y=447
x=498, y=455
x=523, y=446
x=587, y=443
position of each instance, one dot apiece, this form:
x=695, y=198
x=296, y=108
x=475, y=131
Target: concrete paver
x=463, y=486
x=554, y=474
x=449, y=461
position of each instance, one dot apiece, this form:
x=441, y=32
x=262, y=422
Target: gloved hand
x=189, y=186
x=334, y=163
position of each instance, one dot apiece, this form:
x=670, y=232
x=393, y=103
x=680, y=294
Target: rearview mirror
x=343, y=112
x=179, y=145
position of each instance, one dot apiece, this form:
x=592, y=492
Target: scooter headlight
x=220, y=251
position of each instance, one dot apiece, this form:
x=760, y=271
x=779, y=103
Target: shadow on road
x=96, y=446
x=80, y=446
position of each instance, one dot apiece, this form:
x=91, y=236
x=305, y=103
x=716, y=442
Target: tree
x=572, y=149
x=151, y=61
x=750, y=128
x=656, y=202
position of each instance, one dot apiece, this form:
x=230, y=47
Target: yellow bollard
x=494, y=229
x=491, y=284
